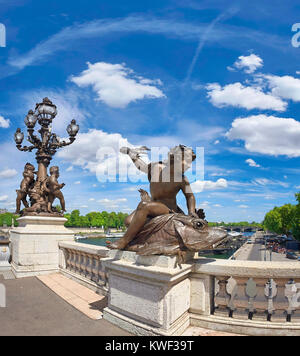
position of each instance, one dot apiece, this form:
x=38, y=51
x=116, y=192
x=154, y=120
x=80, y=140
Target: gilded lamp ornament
x=42, y=189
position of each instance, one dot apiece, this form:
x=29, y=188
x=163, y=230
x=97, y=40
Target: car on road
x=249, y=241
x=291, y=255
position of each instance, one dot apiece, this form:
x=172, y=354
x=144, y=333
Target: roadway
x=258, y=254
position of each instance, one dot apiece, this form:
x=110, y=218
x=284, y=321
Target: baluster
x=260, y=301
x=270, y=293
x=77, y=262
x=88, y=268
x=100, y=278
x=291, y=295
x=102, y=275
x=93, y=265
x=82, y=264
x=96, y=269
x=281, y=303
x=72, y=261
x=67, y=258
x=251, y=292
x=222, y=298
x=103, y=278
x=239, y=301
x=295, y=301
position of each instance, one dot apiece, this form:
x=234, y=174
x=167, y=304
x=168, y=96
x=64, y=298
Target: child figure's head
x=182, y=157
x=29, y=167
x=54, y=171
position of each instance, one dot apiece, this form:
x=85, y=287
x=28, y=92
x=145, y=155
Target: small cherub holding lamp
x=26, y=184
x=52, y=187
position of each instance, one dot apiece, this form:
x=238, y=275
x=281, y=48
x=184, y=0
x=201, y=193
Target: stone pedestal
x=148, y=295
x=4, y=255
x=34, y=245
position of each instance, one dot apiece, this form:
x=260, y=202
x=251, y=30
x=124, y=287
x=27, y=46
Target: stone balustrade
x=246, y=297
x=257, y=298
x=82, y=262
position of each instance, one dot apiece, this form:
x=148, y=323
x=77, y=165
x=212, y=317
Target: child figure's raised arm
x=190, y=197
x=136, y=159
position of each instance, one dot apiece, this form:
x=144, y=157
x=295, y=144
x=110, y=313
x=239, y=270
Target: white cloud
x=109, y=201
x=112, y=203
x=252, y=163
x=267, y=135
x=3, y=198
x=268, y=182
x=99, y=153
x=241, y=96
x=77, y=183
x=200, y=186
x=286, y=87
x=83, y=152
x=4, y=123
x=70, y=169
x=248, y=63
x=227, y=35
x=243, y=206
x=8, y=173
x=116, y=85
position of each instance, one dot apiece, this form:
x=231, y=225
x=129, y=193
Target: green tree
x=288, y=216
x=272, y=221
x=296, y=226
x=75, y=218
x=282, y=220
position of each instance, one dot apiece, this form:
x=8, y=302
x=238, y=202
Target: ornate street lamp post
x=44, y=189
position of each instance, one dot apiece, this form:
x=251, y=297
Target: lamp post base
x=34, y=243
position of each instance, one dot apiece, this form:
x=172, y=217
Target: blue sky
x=159, y=73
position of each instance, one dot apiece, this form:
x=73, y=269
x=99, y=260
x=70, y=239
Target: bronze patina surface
x=37, y=185
x=158, y=225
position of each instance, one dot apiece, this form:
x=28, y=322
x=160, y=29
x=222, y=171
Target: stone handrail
x=82, y=262
x=246, y=290
x=247, y=297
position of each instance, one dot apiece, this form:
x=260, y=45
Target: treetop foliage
x=285, y=219
x=96, y=219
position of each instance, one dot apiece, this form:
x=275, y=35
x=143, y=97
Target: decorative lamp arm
x=25, y=148
x=33, y=139
x=64, y=143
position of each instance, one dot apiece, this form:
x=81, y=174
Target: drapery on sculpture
x=42, y=189
x=158, y=225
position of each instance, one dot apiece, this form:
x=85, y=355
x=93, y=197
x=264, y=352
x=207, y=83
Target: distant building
x=3, y=211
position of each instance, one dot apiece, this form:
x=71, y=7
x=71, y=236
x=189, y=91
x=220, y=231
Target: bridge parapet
x=249, y=297
x=246, y=297
x=82, y=262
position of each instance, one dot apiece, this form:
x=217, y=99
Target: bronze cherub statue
x=44, y=189
x=52, y=187
x=26, y=184
x=158, y=225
